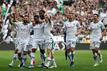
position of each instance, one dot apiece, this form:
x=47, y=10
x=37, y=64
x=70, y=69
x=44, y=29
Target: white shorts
x=22, y=44
x=95, y=44
x=31, y=40
x=30, y=46
x=49, y=44
x=71, y=43
x=37, y=43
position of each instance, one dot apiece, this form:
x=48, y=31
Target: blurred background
x=83, y=9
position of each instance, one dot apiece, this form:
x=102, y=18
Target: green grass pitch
x=83, y=62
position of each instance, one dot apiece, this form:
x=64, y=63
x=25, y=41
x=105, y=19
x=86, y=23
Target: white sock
x=32, y=59
x=14, y=58
x=24, y=59
x=54, y=62
x=48, y=62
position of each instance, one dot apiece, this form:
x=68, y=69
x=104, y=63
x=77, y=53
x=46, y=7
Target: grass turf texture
x=83, y=62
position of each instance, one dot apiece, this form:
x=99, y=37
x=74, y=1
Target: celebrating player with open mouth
x=22, y=39
x=37, y=38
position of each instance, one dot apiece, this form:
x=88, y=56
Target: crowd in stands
x=83, y=10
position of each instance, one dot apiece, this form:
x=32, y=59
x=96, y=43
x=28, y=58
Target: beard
x=25, y=21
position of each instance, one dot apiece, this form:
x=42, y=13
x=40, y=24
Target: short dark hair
x=41, y=14
x=96, y=15
x=42, y=11
x=36, y=16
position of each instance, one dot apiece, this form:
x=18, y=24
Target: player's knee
x=33, y=50
x=72, y=50
x=49, y=51
x=93, y=51
x=25, y=53
x=19, y=54
x=16, y=51
x=29, y=52
x=96, y=50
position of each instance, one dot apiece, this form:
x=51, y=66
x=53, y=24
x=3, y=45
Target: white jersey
x=71, y=29
x=38, y=31
x=23, y=31
x=96, y=30
x=48, y=37
x=47, y=30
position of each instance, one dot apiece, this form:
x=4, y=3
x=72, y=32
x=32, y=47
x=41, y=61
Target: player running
x=72, y=28
x=96, y=27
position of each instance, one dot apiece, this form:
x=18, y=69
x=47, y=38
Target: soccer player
x=41, y=48
x=96, y=27
x=22, y=39
x=37, y=39
x=72, y=28
x=50, y=61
